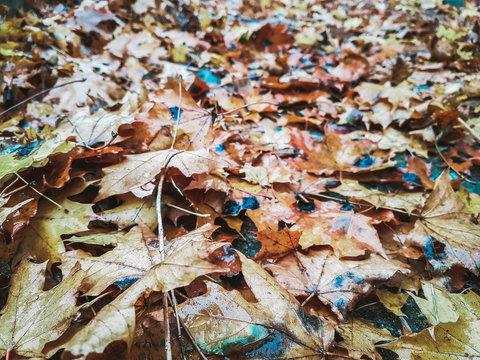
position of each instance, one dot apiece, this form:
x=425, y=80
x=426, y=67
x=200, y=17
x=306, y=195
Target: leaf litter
x=240, y=180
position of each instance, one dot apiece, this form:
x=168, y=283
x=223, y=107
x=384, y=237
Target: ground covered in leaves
x=240, y=180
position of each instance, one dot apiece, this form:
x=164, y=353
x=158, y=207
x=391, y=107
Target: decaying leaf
x=138, y=170
x=224, y=322
x=445, y=220
x=134, y=254
x=447, y=340
x=337, y=283
x=116, y=321
x=42, y=239
x=32, y=317
x=360, y=337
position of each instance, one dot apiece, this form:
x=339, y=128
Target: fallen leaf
x=138, y=170
x=337, y=283
x=116, y=321
x=42, y=238
x=450, y=340
x=224, y=322
x=445, y=219
x=134, y=254
x=359, y=337
x=32, y=317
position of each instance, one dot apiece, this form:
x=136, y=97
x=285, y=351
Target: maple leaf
x=138, y=170
x=99, y=127
x=116, y=321
x=132, y=210
x=447, y=340
x=337, y=283
x=359, y=337
x=445, y=219
x=336, y=153
x=42, y=238
x=13, y=162
x=224, y=322
x=408, y=201
x=347, y=232
x=134, y=253
x=32, y=317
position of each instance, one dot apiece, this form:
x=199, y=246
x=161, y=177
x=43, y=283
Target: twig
x=173, y=300
x=138, y=212
x=7, y=187
x=39, y=193
x=161, y=248
x=188, y=211
x=40, y=93
x=469, y=129
x=195, y=345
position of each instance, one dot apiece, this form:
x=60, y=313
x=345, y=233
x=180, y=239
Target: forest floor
x=240, y=180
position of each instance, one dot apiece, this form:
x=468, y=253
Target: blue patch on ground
x=412, y=179
x=232, y=207
x=456, y=3
x=355, y=116
x=339, y=280
x=272, y=348
x=316, y=134
x=126, y=282
x=250, y=202
x=347, y=207
x=176, y=112
x=207, y=76
x=419, y=88
x=365, y=162
x=21, y=151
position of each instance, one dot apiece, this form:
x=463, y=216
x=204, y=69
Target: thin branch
x=40, y=93
x=39, y=193
x=188, y=211
x=195, y=345
x=173, y=301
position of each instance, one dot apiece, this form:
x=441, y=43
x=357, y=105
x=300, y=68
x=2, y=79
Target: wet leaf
x=32, y=317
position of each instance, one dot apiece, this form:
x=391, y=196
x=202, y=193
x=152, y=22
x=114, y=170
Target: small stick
x=173, y=300
x=161, y=248
x=195, y=345
x=187, y=211
x=39, y=193
x=40, y=93
x=138, y=212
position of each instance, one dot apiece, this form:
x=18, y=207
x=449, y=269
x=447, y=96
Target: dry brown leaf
x=116, y=321
x=32, y=317
x=446, y=220
x=360, y=337
x=337, y=283
x=138, y=170
x=134, y=254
